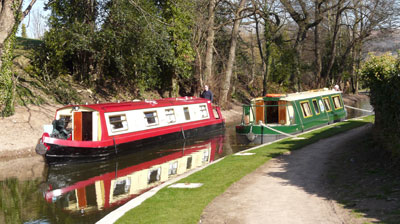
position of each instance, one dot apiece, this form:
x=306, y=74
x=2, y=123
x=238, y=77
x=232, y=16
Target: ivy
x=7, y=82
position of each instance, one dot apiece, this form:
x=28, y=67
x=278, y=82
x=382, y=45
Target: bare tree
x=37, y=23
x=210, y=43
x=232, y=53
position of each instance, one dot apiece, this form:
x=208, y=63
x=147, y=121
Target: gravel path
x=289, y=189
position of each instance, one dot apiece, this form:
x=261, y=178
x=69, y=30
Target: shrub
x=382, y=75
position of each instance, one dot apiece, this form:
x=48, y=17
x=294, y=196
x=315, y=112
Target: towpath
x=288, y=189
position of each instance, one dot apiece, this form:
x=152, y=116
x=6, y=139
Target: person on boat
x=207, y=94
x=336, y=88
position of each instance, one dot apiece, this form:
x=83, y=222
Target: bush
x=382, y=75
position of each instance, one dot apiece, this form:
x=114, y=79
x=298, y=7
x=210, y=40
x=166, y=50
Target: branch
x=28, y=9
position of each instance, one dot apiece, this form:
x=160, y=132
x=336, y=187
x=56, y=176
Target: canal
x=84, y=193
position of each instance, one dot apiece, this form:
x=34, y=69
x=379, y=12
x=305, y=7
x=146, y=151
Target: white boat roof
x=306, y=94
x=309, y=94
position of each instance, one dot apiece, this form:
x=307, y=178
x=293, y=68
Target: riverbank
x=20, y=132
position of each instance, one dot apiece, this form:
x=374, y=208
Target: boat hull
x=58, y=154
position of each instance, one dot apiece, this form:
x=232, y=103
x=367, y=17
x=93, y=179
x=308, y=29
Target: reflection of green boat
x=275, y=115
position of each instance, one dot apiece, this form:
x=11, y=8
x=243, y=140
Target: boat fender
x=40, y=149
x=251, y=136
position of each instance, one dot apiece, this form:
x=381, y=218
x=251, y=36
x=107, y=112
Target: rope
x=354, y=108
x=283, y=133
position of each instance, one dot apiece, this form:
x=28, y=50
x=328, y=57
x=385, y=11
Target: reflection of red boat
x=100, y=130
x=117, y=187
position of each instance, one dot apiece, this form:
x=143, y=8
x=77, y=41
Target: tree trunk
x=10, y=18
x=7, y=22
x=317, y=51
x=267, y=70
x=332, y=53
x=253, y=59
x=231, y=59
x=210, y=43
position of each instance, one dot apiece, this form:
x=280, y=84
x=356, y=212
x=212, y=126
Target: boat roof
x=140, y=104
x=302, y=95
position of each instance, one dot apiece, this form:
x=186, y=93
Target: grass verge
x=186, y=205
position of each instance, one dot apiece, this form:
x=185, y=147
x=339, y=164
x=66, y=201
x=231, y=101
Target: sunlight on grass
x=186, y=205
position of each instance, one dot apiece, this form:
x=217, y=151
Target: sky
x=28, y=21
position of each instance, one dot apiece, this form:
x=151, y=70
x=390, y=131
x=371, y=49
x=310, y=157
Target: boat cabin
x=291, y=113
x=103, y=129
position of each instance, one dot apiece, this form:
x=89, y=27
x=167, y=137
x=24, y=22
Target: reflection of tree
x=14, y=195
x=23, y=201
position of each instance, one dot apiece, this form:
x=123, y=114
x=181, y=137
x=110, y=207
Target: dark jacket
x=207, y=95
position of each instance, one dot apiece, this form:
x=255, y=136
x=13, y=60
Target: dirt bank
x=20, y=132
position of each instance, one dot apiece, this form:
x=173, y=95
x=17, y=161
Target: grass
x=186, y=205
x=27, y=43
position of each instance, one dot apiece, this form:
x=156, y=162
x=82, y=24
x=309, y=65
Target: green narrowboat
x=277, y=115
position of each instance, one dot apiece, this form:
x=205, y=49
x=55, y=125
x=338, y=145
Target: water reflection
x=362, y=104
x=85, y=190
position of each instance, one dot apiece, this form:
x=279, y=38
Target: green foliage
x=7, y=85
x=381, y=74
x=143, y=44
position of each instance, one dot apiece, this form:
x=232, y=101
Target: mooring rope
x=355, y=108
x=273, y=129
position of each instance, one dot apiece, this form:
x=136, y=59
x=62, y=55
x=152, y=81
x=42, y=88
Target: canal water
x=84, y=193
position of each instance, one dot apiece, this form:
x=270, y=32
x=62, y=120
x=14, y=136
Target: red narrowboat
x=107, y=129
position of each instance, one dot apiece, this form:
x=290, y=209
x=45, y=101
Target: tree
x=210, y=43
x=304, y=22
x=23, y=31
x=231, y=59
x=38, y=26
x=10, y=17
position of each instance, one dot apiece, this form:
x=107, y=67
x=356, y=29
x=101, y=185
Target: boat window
x=336, y=102
x=189, y=163
x=305, y=107
x=154, y=175
x=316, y=108
x=327, y=104
x=170, y=114
x=151, y=118
x=203, y=111
x=321, y=105
x=187, y=114
x=118, y=123
x=173, y=168
x=206, y=155
x=290, y=111
x=121, y=187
